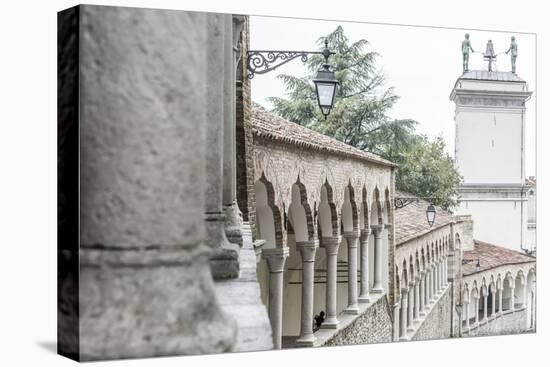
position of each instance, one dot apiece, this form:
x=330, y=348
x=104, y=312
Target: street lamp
x=401, y=202
x=430, y=214
x=325, y=85
x=264, y=61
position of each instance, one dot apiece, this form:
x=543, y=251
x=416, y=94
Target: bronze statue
x=490, y=54
x=513, y=50
x=466, y=47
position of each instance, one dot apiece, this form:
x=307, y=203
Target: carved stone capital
x=351, y=238
x=365, y=233
x=331, y=244
x=276, y=258
x=377, y=230
x=308, y=249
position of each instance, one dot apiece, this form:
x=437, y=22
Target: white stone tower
x=490, y=154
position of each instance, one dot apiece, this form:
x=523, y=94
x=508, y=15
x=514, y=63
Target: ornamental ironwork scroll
x=264, y=61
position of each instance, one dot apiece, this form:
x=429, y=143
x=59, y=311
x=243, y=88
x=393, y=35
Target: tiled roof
x=411, y=221
x=502, y=76
x=266, y=124
x=490, y=256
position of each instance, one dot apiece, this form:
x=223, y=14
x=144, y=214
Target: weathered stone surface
x=142, y=118
x=509, y=323
x=240, y=300
x=146, y=288
x=137, y=311
x=373, y=326
x=437, y=324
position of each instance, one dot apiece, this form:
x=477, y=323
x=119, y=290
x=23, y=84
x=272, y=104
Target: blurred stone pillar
x=145, y=285
x=224, y=260
x=276, y=258
x=233, y=220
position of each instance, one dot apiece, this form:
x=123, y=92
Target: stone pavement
x=240, y=299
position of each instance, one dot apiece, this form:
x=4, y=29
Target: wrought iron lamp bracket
x=264, y=61
x=401, y=202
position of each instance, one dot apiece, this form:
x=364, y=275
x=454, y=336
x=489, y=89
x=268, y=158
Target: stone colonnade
x=422, y=279
x=497, y=294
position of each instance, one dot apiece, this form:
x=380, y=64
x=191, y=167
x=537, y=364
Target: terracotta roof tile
x=411, y=221
x=490, y=256
x=266, y=124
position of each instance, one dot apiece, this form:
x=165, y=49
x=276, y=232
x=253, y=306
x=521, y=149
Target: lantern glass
x=430, y=214
x=325, y=94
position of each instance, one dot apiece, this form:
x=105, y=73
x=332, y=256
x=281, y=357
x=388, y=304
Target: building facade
x=490, y=154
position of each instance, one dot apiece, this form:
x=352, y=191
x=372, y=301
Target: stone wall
x=374, y=326
x=508, y=323
x=437, y=324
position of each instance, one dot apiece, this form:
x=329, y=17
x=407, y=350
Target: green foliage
x=425, y=169
x=359, y=118
x=361, y=101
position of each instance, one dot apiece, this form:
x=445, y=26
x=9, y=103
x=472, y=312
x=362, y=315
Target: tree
x=361, y=102
x=359, y=118
x=425, y=169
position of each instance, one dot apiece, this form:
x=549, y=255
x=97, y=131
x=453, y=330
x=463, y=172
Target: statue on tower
x=466, y=48
x=513, y=50
x=490, y=54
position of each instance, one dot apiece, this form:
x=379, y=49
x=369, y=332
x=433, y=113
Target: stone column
x=500, y=301
x=351, y=239
x=493, y=303
x=224, y=259
x=437, y=277
x=434, y=273
x=524, y=296
x=416, y=299
x=445, y=271
x=422, y=287
x=364, y=296
x=233, y=221
x=441, y=277
x=467, y=311
x=137, y=149
x=396, y=321
x=432, y=283
x=404, y=313
x=484, y=307
x=427, y=289
x=512, y=291
x=476, y=308
x=410, y=307
x=331, y=245
x=276, y=258
x=307, y=250
x=377, y=286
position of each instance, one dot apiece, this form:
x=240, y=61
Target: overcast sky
x=422, y=63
